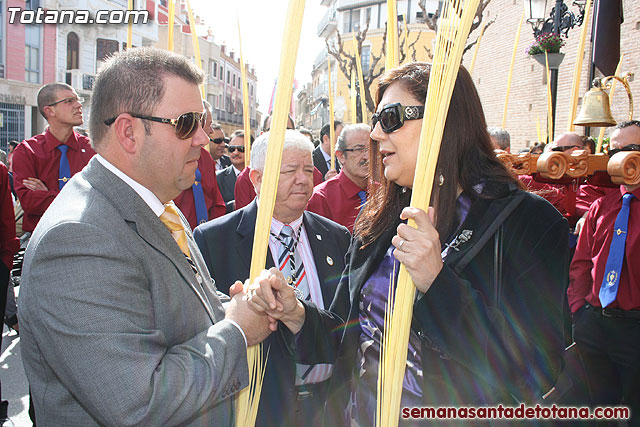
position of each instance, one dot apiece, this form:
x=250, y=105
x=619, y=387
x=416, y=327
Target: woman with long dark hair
x=489, y=261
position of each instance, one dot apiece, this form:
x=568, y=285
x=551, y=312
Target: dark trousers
x=4, y=284
x=610, y=347
x=309, y=404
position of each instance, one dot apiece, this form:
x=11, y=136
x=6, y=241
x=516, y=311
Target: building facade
x=528, y=98
x=223, y=81
x=27, y=61
x=346, y=17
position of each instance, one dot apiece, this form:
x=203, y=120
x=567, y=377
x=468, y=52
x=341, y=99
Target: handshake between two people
x=257, y=307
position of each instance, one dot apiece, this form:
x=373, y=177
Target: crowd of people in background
x=120, y=312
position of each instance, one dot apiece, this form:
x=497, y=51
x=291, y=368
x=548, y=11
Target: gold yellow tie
x=171, y=219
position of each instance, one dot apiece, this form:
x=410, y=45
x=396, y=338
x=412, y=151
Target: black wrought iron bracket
x=568, y=19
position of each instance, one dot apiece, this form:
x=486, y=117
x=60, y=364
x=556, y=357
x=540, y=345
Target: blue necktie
x=609, y=287
x=363, y=197
x=64, y=172
x=198, y=197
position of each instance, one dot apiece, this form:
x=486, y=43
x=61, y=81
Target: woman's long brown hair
x=466, y=157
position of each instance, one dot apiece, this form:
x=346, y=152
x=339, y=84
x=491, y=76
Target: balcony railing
x=231, y=118
x=80, y=80
x=328, y=23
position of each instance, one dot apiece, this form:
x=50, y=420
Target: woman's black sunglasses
x=630, y=147
x=186, y=125
x=392, y=116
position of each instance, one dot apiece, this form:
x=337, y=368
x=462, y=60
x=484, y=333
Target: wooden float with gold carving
x=622, y=167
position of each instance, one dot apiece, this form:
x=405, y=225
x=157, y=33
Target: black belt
x=306, y=391
x=621, y=314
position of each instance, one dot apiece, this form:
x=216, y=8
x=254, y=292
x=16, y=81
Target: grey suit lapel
x=139, y=216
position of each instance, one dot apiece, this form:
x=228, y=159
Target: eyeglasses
x=186, y=125
x=68, y=101
x=233, y=148
x=630, y=147
x=359, y=149
x=392, y=116
x=219, y=140
x=564, y=148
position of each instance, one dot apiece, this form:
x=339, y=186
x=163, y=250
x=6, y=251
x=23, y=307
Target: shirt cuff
x=234, y=323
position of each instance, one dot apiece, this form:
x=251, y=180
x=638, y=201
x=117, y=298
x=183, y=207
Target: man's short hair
x=325, y=129
x=305, y=131
x=240, y=133
x=133, y=81
x=501, y=135
x=267, y=121
x=216, y=126
x=293, y=140
x=47, y=95
x=341, y=144
x=628, y=123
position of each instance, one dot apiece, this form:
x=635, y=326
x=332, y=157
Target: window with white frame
x=32, y=53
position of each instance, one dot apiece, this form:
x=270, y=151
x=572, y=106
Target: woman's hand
x=419, y=249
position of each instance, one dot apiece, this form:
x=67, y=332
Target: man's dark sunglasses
x=186, y=125
x=219, y=140
x=566, y=148
x=630, y=147
x=233, y=148
x=392, y=116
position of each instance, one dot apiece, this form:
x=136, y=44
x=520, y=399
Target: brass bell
x=595, y=110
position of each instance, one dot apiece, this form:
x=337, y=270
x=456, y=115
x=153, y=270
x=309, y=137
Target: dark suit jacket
x=226, y=244
x=320, y=163
x=486, y=338
x=227, y=183
x=225, y=161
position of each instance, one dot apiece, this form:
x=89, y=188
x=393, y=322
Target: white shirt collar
x=236, y=170
x=276, y=226
x=327, y=157
x=147, y=195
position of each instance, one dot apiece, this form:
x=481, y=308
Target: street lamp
x=560, y=21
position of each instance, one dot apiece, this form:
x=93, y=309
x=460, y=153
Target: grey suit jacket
x=115, y=327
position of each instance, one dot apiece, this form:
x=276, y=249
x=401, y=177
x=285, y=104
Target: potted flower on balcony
x=550, y=43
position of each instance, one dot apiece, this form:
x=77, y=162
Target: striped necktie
x=611, y=280
x=290, y=262
x=171, y=219
x=198, y=197
x=64, y=172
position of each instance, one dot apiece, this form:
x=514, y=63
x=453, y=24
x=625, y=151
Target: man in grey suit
x=120, y=323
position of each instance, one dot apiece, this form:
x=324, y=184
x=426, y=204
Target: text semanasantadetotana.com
x=538, y=412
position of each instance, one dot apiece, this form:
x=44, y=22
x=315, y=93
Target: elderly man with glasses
x=341, y=197
x=43, y=164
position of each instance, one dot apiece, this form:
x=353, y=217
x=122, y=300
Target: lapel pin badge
x=463, y=237
x=329, y=260
x=319, y=237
